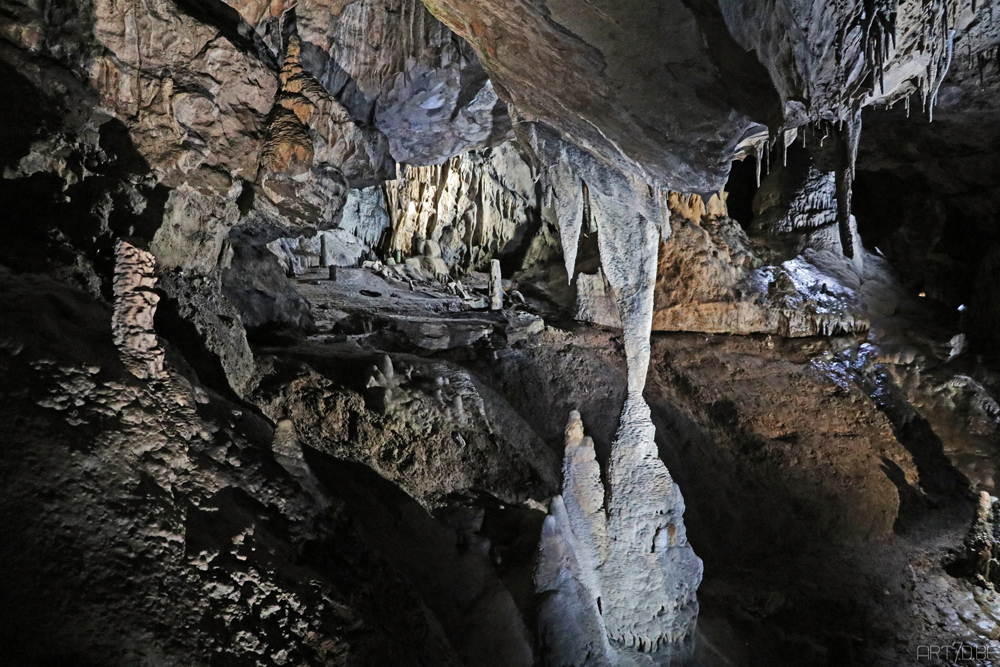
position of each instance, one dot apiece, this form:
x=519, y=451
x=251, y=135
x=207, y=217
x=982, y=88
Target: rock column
x=134, y=308
x=618, y=576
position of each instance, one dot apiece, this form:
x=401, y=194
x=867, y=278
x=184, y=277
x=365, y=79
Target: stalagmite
x=496, y=285
x=615, y=572
x=574, y=541
x=652, y=572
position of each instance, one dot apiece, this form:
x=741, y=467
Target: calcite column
x=616, y=572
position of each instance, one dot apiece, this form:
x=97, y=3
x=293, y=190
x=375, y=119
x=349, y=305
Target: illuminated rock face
x=135, y=306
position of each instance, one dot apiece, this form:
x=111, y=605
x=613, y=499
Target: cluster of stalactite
x=847, y=134
x=877, y=23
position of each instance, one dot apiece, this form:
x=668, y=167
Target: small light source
x=922, y=294
x=961, y=308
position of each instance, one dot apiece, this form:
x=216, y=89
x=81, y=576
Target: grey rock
x=365, y=215
x=195, y=226
x=595, y=302
x=257, y=284
x=394, y=65
x=198, y=302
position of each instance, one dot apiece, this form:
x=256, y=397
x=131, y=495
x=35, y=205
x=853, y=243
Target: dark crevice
x=741, y=188
x=182, y=334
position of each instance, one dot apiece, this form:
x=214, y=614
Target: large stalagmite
x=616, y=574
x=268, y=399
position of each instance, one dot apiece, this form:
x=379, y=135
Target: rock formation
x=615, y=567
x=135, y=306
x=475, y=207
x=296, y=297
x=496, y=286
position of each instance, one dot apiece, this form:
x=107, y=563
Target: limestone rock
x=523, y=327
x=196, y=317
x=165, y=499
x=787, y=278
x=427, y=426
x=336, y=247
x=616, y=572
x=571, y=629
x=646, y=581
x=711, y=279
x=496, y=286
x=395, y=66
x=558, y=63
x=475, y=207
x=135, y=306
x=651, y=572
x=307, y=147
x=257, y=284
x=192, y=100
x=859, y=53
x=288, y=454
x=341, y=248
x=595, y=301
x=193, y=229
x=365, y=216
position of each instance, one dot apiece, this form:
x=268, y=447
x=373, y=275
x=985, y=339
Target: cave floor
x=827, y=536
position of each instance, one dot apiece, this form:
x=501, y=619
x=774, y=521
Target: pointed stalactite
x=566, y=195
x=628, y=245
x=850, y=134
x=942, y=69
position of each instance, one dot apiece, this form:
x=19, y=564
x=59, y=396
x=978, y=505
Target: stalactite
x=848, y=153
x=757, y=159
x=942, y=72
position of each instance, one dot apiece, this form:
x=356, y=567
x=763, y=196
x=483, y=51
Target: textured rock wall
x=787, y=277
x=396, y=68
x=474, y=207
x=182, y=162
x=595, y=72
x=135, y=306
x=185, y=541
